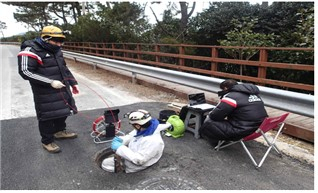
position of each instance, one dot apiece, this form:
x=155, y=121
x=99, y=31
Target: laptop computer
x=197, y=100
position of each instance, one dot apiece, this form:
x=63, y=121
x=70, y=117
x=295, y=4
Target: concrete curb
x=291, y=150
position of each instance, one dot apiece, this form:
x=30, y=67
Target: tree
x=185, y=15
x=113, y=22
x=88, y=29
x=36, y=15
x=301, y=35
x=304, y=34
x=282, y=18
x=66, y=11
x=213, y=23
x=243, y=35
x=2, y=27
x=170, y=27
x=125, y=21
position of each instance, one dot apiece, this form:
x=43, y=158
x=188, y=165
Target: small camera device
x=106, y=127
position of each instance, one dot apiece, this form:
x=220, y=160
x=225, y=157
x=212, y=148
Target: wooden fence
x=212, y=61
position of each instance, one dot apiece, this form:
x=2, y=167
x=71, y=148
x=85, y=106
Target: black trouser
x=214, y=131
x=221, y=130
x=49, y=127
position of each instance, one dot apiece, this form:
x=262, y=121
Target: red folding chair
x=268, y=124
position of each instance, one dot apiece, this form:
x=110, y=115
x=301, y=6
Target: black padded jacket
x=242, y=107
x=41, y=66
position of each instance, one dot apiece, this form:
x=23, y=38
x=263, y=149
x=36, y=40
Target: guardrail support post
x=134, y=77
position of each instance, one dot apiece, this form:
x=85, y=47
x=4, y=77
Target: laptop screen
x=195, y=99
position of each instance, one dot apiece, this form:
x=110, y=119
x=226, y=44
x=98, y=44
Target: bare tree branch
x=158, y=22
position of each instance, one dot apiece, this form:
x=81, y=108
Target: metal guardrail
x=298, y=103
x=212, y=61
x=10, y=43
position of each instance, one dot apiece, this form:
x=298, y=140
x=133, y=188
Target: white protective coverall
x=141, y=152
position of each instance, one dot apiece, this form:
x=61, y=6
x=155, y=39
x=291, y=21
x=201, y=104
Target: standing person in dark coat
x=238, y=114
x=41, y=62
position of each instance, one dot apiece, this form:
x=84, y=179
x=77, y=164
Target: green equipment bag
x=177, y=130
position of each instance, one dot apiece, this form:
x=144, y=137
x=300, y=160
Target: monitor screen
x=195, y=99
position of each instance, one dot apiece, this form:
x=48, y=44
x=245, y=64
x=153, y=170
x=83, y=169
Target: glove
x=75, y=89
x=118, y=139
x=57, y=84
x=116, y=144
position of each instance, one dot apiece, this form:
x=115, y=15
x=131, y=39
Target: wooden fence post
x=214, y=54
x=125, y=48
x=104, y=49
x=138, y=54
x=181, y=52
x=113, y=47
x=263, y=56
x=157, y=49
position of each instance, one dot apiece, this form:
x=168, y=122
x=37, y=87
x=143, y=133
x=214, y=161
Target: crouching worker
x=142, y=147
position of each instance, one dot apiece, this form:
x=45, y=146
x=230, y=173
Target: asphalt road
x=25, y=165
x=187, y=163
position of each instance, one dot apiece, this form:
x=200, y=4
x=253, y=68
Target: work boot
x=51, y=147
x=65, y=135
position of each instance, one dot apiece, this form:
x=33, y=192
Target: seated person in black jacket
x=238, y=114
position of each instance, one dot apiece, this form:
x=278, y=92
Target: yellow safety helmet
x=52, y=31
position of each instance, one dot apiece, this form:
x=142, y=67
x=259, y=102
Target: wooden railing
x=211, y=61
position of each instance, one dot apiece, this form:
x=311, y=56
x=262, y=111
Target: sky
x=14, y=28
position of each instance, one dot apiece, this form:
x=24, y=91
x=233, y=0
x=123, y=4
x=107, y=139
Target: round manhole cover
x=168, y=183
